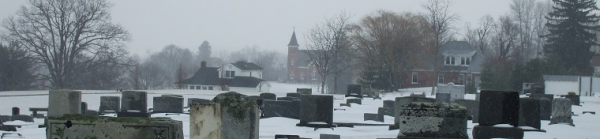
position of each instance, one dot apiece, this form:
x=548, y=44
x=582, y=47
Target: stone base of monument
x=81, y=126
x=488, y=132
x=559, y=120
x=317, y=125
x=354, y=100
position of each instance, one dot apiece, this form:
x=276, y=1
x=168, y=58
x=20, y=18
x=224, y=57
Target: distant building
x=239, y=74
x=300, y=67
x=460, y=64
x=595, y=63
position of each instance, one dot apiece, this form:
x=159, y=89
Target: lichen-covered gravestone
x=109, y=104
x=96, y=127
x=134, y=104
x=62, y=102
x=561, y=111
x=401, y=101
x=239, y=114
x=197, y=100
x=205, y=121
x=432, y=120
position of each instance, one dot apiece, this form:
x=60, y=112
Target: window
x=229, y=74
x=251, y=74
x=292, y=75
x=210, y=88
x=191, y=87
x=452, y=60
x=461, y=79
x=314, y=74
x=302, y=76
x=463, y=60
x=292, y=62
x=198, y=87
x=204, y=88
x=415, y=78
x=469, y=76
x=441, y=79
x=447, y=60
x=468, y=61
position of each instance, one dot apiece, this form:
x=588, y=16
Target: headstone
x=197, y=100
x=269, y=96
x=529, y=112
x=548, y=96
x=389, y=108
x=109, y=104
x=401, y=101
x=134, y=104
x=345, y=104
x=442, y=97
x=561, y=111
x=499, y=107
x=24, y=118
x=239, y=114
x=432, y=120
x=477, y=96
x=575, y=99
x=538, y=89
x=316, y=109
x=472, y=108
x=388, y=104
x=288, y=98
x=5, y=118
x=280, y=108
x=545, y=108
x=91, y=113
x=455, y=91
x=205, y=121
x=329, y=136
x=489, y=132
x=354, y=90
x=417, y=95
x=84, y=107
x=8, y=128
x=278, y=136
x=297, y=95
x=354, y=100
x=81, y=126
x=304, y=91
x=385, y=111
x=63, y=102
x=373, y=117
x=16, y=111
x=167, y=104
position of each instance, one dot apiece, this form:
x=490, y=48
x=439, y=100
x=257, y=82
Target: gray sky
x=233, y=24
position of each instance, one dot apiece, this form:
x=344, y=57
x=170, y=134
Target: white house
x=239, y=74
x=240, y=68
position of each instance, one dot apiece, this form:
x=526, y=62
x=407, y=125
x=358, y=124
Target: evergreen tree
x=572, y=24
x=204, y=51
x=16, y=68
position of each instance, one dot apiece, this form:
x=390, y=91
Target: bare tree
x=480, y=37
x=441, y=21
x=327, y=43
x=506, y=38
x=58, y=32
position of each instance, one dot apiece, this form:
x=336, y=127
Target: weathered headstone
x=81, y=126
x=167, y=104
x=354, y=100
x=109, y=104
x=472, y=108
x=239, y=114
x=16, y=111
x=401, y=101
x=329, y=136
x=197, y=100
x=134, y=104
x=304, y=91
x=205, y=121
x=316, y=110
x=561, y=111
x=297, y=95
x=499, y=107
x=575, y=99
x=529, y=112
x=269, y=96
x=61, y=102
x=545, y=108
x=373, y=116
x=354, y=90
x=84, y=107
x=432, y=120
x=442, y=97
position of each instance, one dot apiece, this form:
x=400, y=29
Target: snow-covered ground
x=586, y=125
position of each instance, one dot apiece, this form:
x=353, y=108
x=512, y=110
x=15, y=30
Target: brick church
x=300, y=68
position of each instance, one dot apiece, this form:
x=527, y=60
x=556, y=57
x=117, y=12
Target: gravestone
x=205, y=121
x=197, y=100
x=280, y=108
x=477, y=96
x=545, y=108
x=316, y=110
x=354, y=90
x=5, y=118
x=442, y=98
x=296, y=95
x=432, y=120
x=455, y=91
x=548, y=96
x=354, y=100
x=472, y=108
x=490, y=132
x=529, y=112
x=329, y=136
x=109, y=104
x=401, y=101
x=561, y=111
x=134, y=104
x=167, y=104
x=288, y=98
x=388, y=104
x=385, y=111
x=24, y=118
x=239, y=114
x=82, y=126
x=499, y=107
x=304, y=91
x=575, y=99
x=269, y=96
x=422, y=95
x=84, y=107
x=16, y=111
x=345, y=104
x=62, y=102
x=373, y=116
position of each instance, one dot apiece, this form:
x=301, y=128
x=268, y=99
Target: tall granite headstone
x=109, y=104
x=499, y=107
x=63, y=102
x=239, y=114
x=316, y=109
x=561, y=111
x=16, y=111
x=84, y=107
x=529, y=112
x=134, y=104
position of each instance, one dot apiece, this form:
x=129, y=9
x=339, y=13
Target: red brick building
x=299, y=65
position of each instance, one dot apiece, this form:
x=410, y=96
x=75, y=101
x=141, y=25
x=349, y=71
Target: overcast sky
x=233, y=24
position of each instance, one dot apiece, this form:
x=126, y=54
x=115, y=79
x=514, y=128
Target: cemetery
x=289, y=112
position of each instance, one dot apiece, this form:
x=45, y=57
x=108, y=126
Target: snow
x=586, y=125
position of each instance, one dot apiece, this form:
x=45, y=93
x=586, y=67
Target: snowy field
x=587, y=126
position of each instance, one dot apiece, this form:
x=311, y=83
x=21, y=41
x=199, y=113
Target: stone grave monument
x=268, y=96
x=304, y=91
x=498, y=107
x=239, y=116
x=91, y=127
x=109, y=104
x=432, y=120
x=561, y=111
x=64, y=102
x=529, y=113
x=472, y=108
x=134, y=104
x=401, y=101
x=167, y=104
x=455, y=91
x=197, y=100
x=354, y=90
x=442, y=97
x=316, y=111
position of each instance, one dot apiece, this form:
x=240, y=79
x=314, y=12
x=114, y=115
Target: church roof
x=293, y=41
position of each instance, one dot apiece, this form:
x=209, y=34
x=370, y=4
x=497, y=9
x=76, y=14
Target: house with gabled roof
x=238, y=74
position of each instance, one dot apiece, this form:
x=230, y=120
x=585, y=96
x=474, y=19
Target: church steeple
x=293, y=41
